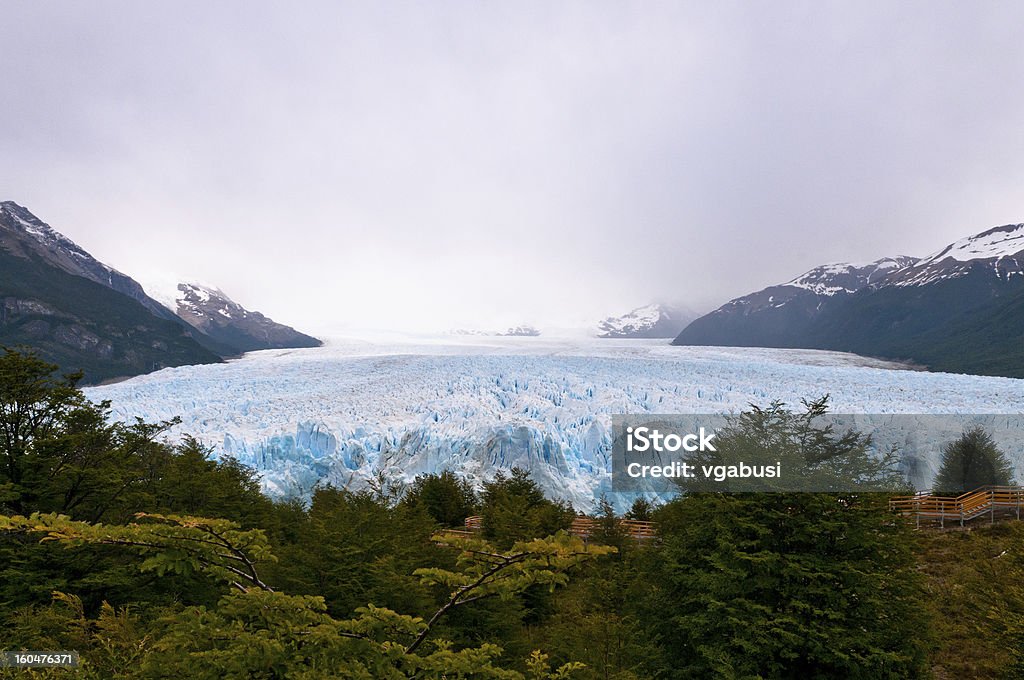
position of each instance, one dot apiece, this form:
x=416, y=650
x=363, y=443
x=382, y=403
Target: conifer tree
x=972, y=461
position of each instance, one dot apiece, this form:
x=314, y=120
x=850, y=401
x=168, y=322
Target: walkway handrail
x=584, y=527
x=965, y=507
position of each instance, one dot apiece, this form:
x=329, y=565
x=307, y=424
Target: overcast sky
x=478, y=164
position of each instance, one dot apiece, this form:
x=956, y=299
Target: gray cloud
x=476, y=164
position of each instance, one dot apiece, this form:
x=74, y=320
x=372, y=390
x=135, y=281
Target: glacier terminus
x=357, y=410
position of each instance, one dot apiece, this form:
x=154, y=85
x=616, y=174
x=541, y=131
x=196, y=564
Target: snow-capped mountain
x=80, y=313
x=22, y=232
x=650, y=321
x=960, y=309
x=211, y=311
x=781, y=315
x=998, y=252
x=521, y=331
x=826, y=281
x=846, y=278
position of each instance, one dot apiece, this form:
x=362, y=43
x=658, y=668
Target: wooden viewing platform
x=981, y=502
x=984, y=502
x=584, y=527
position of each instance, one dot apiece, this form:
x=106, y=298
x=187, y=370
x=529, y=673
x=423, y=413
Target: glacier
x=356, y=410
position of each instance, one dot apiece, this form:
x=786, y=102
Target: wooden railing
x=584, y=527
x=986, y=500
x=982, y=502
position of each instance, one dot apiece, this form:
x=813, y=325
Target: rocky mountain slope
x=782, y=315
x=212, y=312
x=22, y=233
x=79, y=313
x=956, y=310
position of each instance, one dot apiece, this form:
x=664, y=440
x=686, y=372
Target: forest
x=155, y=560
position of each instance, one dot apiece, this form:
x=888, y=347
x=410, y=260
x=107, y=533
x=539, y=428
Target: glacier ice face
x=352, y=410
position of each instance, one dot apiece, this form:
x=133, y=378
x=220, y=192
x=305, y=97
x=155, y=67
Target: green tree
x=353, y=548
x=186, y=479
x=789, y=585
x=607, y=530
x=68, y=457
x=259, y=632
x=61, y=453
x=641, y=510
x=595, y=618
x=33, y=404
x=111, y=645
x=810, y=451
x=513, y=508
x=972, y=461
x=446, y=497
x=786, y=586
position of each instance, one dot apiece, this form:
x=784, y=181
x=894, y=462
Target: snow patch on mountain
x=650, y=321
x=1000, y=250
x=832, y=279
x=211, y=311
x=48, y=237
x=811, y=290
x=177, y=292
x=1004, y=241
x=22, y=232
x=637, y=319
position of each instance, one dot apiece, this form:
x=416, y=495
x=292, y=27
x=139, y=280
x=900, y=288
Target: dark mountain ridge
x=83, y=325
x=958, y=310
x=783, y=315
x=82, y=314
x=21, y=233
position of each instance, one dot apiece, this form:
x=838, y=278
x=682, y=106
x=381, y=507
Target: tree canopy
x=972, y=461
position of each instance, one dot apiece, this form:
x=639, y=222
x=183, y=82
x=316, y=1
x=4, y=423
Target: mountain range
x=655, y=320
x=227, y=323
x=82, y=314
x=959, y=310
x=521, y=331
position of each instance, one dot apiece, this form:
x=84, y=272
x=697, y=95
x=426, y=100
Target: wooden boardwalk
x=584, y=527
x=987, y=502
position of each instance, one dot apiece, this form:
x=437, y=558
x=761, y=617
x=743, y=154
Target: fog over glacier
x=385, y=154
x=344, y=413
